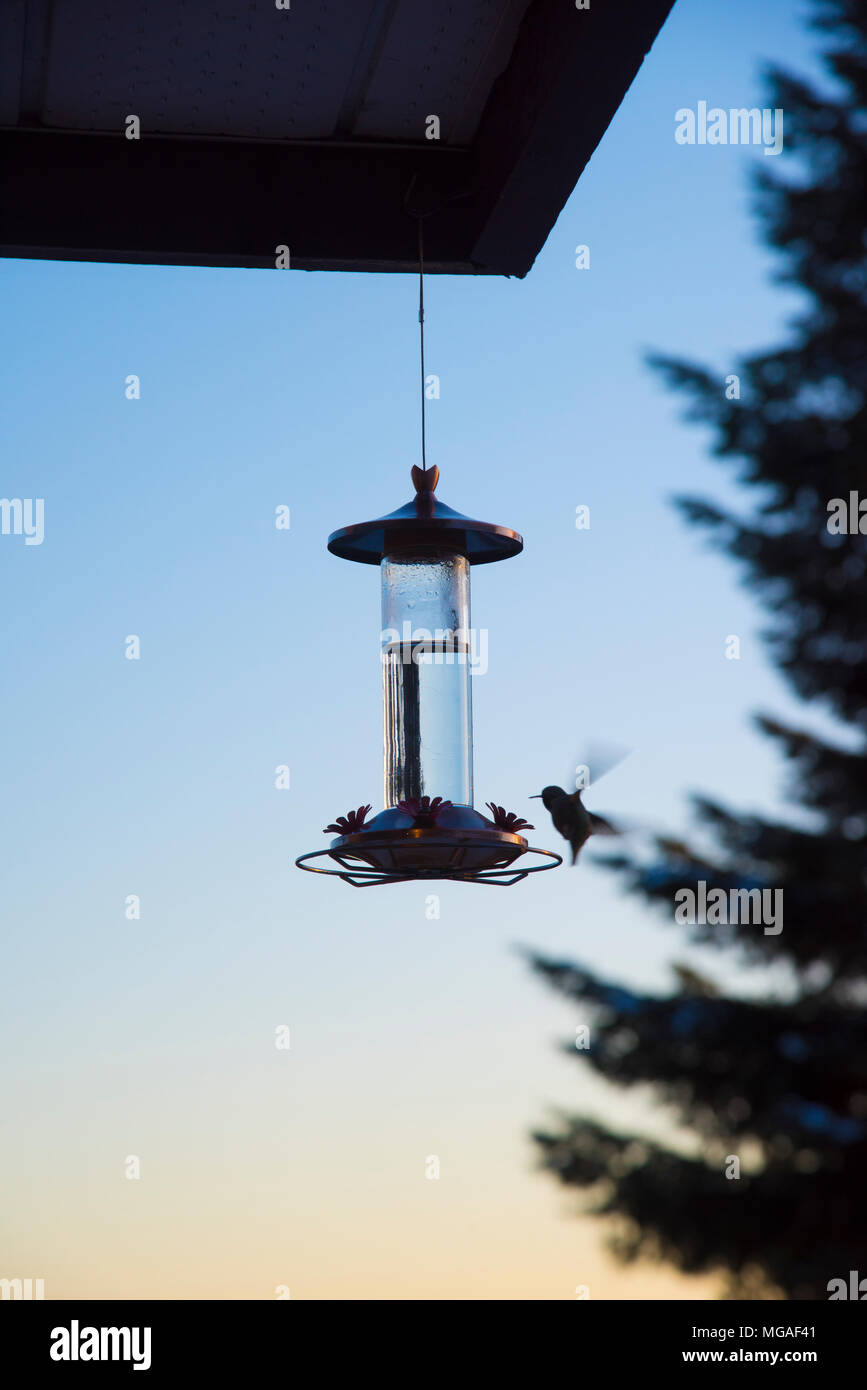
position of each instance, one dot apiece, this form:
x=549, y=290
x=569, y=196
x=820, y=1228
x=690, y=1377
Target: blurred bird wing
x=601, y=826
x=598, y=758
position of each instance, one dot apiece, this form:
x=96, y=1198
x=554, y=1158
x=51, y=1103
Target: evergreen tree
x=778, y=1085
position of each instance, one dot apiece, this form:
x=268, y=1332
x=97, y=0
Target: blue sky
x=156, y=777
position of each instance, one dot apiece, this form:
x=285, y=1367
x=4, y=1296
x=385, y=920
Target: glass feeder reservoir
x=426, y=690
x=429, y=828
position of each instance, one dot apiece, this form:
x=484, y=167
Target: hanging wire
x=421, y=333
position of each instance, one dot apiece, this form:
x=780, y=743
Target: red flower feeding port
x=429, y=828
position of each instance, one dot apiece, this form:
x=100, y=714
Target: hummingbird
x=571, y=817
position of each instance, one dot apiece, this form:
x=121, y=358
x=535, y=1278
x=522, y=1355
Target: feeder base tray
x=370, y=858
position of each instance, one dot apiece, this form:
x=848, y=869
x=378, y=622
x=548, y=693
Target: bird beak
x=536, y=797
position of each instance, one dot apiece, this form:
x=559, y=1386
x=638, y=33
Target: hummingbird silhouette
x=571, y=817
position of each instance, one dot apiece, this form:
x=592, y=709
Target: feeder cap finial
x=425, y=479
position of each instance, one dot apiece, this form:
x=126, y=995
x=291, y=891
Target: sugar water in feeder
x=426, y=692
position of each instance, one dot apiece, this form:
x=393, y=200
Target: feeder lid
x=425, y=521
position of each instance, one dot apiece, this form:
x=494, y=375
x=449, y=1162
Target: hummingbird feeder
x=429, y=828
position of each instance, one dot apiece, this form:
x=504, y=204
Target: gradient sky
x=410, y=1037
